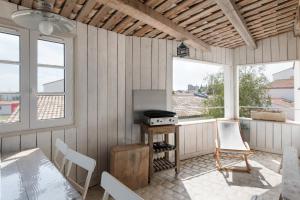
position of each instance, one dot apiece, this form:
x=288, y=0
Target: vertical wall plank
x=162, y=62
x=112, y=89
x=205, y=137
x=243, y=55
x=128, y=80
x=181, y=140
x=250, y=55
x=154, y=63
x=102, y=100
x=283, y=49
x=261, y=135
x=269, y=136
x=43, y=141
x=199, y=138
x=258, y=53
x=10, y=144
x=70, y=140
x=199, y=53
x=92, y=86
x=81, y=87
x=296, y=137
x=28, y=141
x=286, y=135
x=190, y=139
x=236, y=52
x=229, y=56
x=136, y=63
x=223, y=53
x=121, y=89
x=145, y=63
x=292, y=46
x=266, y=50
x=136, y=70
x=277, y=137
x=275, y=48
x=169, y=75
x=253, y=134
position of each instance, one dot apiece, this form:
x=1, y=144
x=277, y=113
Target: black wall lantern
x=183, y=50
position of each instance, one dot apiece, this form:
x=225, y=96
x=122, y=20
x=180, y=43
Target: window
x=198, y=89
x=35, y=83
x=267, y=87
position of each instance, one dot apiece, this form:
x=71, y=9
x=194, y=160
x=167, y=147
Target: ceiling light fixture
x=42, y=19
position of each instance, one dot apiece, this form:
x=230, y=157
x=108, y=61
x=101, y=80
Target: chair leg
x=217, y=157
x=105, y=195
x=247, y=163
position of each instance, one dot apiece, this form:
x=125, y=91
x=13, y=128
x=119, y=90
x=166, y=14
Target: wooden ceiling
x=202, y=18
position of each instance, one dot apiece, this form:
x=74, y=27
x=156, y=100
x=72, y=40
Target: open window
x=198, y=89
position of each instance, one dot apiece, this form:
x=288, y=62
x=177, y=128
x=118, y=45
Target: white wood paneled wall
x=278, y=48
x=271, y=136
x=108, y=67
x=197, y=139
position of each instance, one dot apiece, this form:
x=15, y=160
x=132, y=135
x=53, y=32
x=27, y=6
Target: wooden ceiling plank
x=297, y=21
x=151, y=17
x=27, y=3
x=99, y=17
x=231, y=11
x=68, y=7
x=113, y=20
x=86, y=9
x=127, y=21
x=133, y=27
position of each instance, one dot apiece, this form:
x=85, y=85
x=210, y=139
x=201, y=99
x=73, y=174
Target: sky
x=187, y=71
x=48, y=53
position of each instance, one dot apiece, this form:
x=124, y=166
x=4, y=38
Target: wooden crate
x=130, y=164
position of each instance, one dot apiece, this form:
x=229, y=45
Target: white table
x=31, y=175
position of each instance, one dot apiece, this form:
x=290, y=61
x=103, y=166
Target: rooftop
x=282, y=84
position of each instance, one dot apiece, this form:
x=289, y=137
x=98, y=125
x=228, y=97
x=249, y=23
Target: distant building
x=281, y=91
x=8, y=107
x=55, y=86
x=192, y=88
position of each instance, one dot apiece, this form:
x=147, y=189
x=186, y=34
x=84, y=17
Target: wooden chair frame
x=61, y=147
x=243, y=154
x=84, y=162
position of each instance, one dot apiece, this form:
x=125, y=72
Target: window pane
x=268, y=87
x=9, y=47
x=51, y=79
x=51, y=53
x=9, y=108
x=198, y=90
x=9, y=78
x=51, y=107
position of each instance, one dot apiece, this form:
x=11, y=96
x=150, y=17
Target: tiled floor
x=200, y=180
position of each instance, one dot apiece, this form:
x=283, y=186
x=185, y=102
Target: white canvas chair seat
x=229, y=136
x=229, y=140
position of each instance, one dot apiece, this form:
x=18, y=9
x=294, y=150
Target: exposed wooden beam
x=147, y=15
x=86, y=9
x=297, y=21
x=234, y=16
x=68, y=7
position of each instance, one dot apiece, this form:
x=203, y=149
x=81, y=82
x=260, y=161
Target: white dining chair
x=84, y=162
x=60, y=148
x=116, y=189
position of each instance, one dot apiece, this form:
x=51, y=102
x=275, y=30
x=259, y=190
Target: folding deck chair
x=229, y=140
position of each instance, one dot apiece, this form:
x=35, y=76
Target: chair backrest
x=229, y=136
x=116, y=189
x=84, y=162
x=62, y=148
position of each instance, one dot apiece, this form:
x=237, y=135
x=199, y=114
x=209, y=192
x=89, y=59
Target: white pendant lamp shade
x=46, y=22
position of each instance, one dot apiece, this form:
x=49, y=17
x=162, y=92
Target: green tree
x=252, y=91
x=215, y=90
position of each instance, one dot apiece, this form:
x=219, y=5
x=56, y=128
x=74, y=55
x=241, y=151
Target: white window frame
x=24, y=81
x=68, y=107
x=28, y=81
